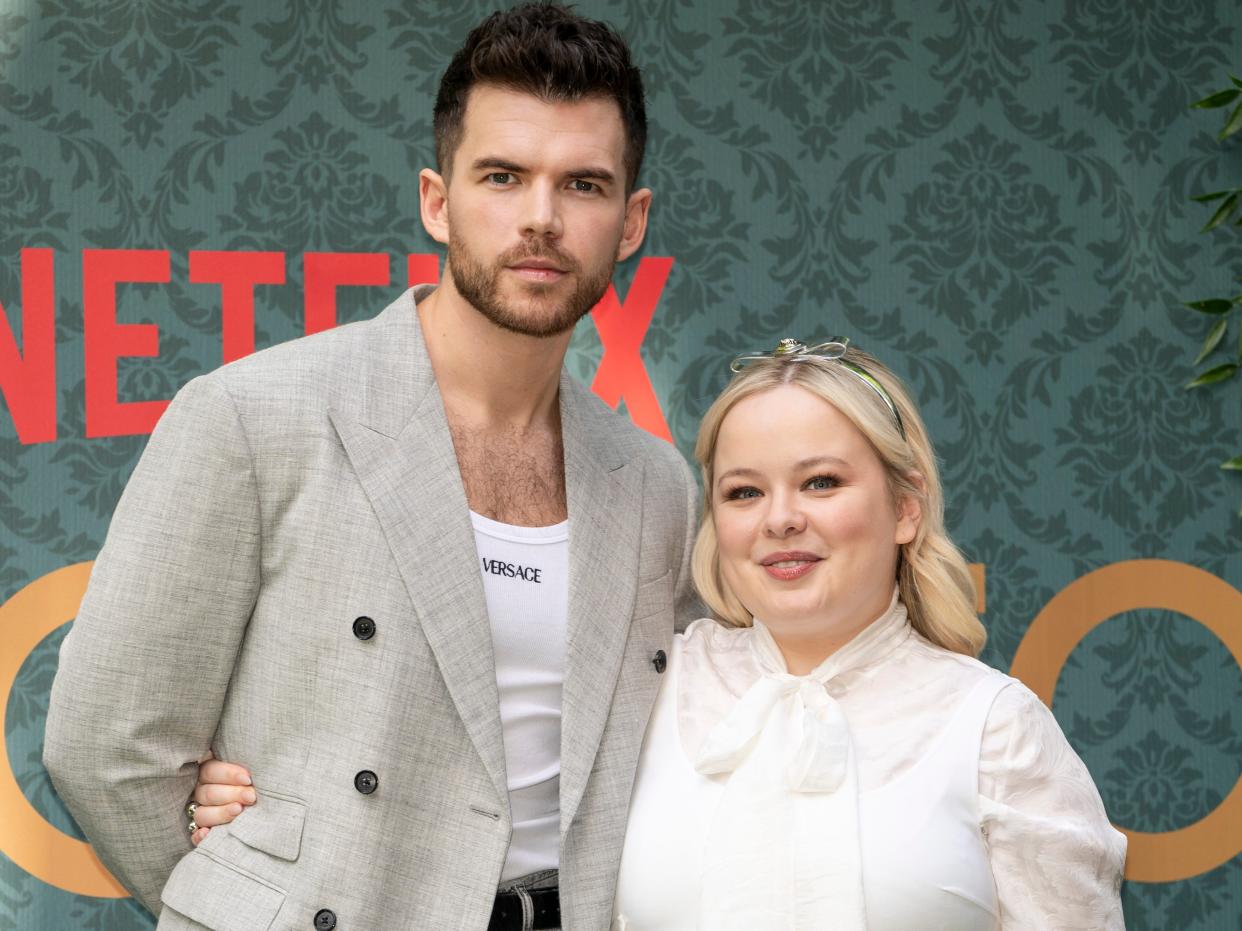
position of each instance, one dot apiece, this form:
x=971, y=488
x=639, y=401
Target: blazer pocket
x=221, y=897
x=273, y=824
x=654, y=596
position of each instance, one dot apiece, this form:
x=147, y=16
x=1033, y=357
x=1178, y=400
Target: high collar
x=871, y=644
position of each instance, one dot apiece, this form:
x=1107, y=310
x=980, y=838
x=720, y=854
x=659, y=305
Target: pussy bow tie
x=818, y=761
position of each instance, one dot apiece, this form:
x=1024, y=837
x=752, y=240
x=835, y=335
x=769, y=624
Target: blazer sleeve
x=144, y=669
x=687, y=606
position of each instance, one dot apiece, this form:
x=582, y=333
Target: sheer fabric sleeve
x=1056, y=859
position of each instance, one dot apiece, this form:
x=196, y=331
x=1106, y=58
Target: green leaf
x=1237, y=82
x=1214, y=376
x=1218, y=305
x=1234, y=464
x=1213, y=339
x=1219, y=99
x=1233, y=124
x=1222, y=213
x=1215, y=195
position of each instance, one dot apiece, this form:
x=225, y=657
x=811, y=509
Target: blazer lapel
x=605, y=521
x=399, y=444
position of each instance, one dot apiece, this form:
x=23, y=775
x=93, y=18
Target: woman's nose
x=784, y=517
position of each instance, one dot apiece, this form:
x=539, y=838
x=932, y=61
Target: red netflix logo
x=28, y=372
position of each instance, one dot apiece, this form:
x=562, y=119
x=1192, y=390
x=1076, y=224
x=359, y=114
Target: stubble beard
x=479, y=284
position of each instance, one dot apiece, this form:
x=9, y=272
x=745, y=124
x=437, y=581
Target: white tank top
x=924, y=861
x=526, y=586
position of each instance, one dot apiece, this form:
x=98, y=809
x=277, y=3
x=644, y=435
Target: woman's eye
x=822, y=483
x=742, y=493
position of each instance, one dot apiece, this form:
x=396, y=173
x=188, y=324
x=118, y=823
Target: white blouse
x=896, y=786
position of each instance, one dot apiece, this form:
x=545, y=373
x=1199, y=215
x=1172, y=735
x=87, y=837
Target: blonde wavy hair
x=932, y=576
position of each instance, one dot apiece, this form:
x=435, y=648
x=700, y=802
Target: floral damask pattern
x=1156, y=784
x=315, y=193
x=1137, y=65
x=984, y=49
x=844, y=50
x=983, y=240
x=25, y=205
x=1140, y=456
x=315, y=41
x=140, y=59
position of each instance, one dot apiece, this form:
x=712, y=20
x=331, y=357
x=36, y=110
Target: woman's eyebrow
x=798, y=466
x=819, y=460
x=734, y=472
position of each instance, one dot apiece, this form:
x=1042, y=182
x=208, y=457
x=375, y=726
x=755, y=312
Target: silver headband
x=792, y=350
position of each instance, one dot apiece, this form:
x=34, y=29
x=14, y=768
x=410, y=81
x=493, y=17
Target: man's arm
x=144, y=670
x=686, y=604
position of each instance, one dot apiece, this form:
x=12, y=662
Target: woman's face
x=807, y=527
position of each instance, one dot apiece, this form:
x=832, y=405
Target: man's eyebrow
x=500, y=164
x=593, y=173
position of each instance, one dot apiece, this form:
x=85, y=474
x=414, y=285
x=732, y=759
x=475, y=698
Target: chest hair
x=512, y=476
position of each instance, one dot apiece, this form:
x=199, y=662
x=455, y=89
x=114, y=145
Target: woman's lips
x=789, y=566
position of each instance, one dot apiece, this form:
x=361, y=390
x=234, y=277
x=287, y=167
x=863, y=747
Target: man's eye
x=500, y=177
x=585, y=187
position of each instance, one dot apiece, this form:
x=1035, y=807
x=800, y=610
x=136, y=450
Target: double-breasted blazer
x=280, y=500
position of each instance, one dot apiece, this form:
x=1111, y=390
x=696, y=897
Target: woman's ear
x=910, y=509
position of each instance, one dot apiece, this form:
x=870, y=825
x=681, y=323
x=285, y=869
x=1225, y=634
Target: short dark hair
x=547, y=50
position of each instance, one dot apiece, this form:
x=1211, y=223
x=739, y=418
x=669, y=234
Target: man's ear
x=433, y=204
x=910, y=509
x=636, y=207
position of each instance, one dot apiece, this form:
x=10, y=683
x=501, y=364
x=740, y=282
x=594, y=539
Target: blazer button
x=325, y=920
x=366, y=782
x=659, y=661
x=364, y=628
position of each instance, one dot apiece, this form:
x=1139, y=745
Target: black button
x=659, y=661
x=325, y=920
x=366, y=782
x=364, y=628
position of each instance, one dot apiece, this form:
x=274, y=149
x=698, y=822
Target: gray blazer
x=279, y=499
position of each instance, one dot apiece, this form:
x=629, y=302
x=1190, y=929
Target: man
x=294, y=578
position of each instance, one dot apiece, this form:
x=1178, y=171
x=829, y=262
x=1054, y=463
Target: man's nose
x=541, y=211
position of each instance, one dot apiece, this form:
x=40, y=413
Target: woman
x=827, y=752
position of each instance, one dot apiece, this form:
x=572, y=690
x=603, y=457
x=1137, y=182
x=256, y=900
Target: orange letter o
x=27, y=838
x=1082, y=606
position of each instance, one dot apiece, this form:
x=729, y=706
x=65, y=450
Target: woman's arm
x=1056, y=859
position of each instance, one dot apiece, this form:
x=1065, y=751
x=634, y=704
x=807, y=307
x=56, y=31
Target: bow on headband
x=792, y=350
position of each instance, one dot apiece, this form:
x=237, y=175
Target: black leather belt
x=507, y=911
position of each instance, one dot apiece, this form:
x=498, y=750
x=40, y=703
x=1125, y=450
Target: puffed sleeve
x=1056, y=859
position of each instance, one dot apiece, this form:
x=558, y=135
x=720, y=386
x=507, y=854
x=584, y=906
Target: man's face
x=537, y=214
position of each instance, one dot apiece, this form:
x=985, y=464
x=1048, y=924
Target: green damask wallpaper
x=992, y=197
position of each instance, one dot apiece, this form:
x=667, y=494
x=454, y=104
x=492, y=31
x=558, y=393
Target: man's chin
x=537, y=318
